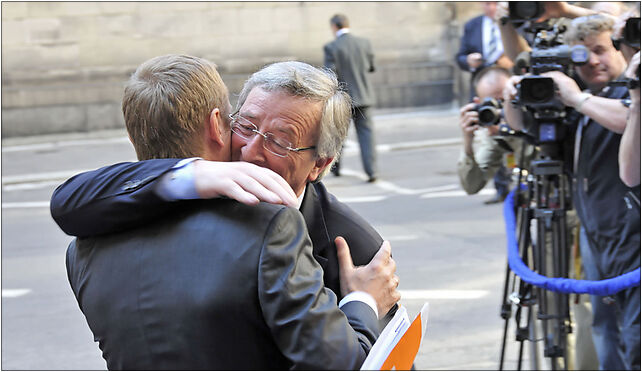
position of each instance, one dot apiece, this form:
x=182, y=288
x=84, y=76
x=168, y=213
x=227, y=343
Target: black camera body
x=631, y=32
x=557, y=58
x=521, y=11
x=536, y=93
x=490, y=112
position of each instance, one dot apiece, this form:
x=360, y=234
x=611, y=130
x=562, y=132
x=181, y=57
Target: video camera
x=537, y=93
x=490, y=112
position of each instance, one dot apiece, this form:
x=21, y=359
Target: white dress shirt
x=490, y=31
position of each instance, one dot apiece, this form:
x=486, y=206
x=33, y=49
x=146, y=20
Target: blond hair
x=166, y=103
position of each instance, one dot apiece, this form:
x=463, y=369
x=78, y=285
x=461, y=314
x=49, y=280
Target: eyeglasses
x=277, y=146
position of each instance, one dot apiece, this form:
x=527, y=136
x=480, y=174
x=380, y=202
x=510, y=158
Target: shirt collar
x=342, y=31
x=300, y=197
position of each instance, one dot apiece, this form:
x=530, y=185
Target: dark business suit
x=471, y=42
x=216, y=285
x=352, y=59
x=326, y=218
x=120, y=196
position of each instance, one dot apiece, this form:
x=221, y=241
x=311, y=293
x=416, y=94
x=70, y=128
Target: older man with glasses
x=302, y=119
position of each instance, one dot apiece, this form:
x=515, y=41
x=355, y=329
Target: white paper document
x=399, y=342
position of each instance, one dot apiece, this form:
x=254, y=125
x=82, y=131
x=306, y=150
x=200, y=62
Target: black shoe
x=372, y=179
x=495, y=199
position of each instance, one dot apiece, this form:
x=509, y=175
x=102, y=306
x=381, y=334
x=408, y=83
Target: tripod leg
x=505, y=314
x=534, y=355
x=501, y=357
x=521, y=343
x=523, y=220
x=525, y=291
x=563, y=321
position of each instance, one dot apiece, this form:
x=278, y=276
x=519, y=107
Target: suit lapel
x=315, y=222
x=479, y=38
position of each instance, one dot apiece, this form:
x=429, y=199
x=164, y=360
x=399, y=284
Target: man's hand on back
x=241, y=181
x=377, y=278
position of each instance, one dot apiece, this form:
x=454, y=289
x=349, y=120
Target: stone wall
x=64, y=63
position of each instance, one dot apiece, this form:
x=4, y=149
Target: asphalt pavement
x=449, y=247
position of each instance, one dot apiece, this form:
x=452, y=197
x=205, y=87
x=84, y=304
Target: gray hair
x=591, y=25
x=300, y=79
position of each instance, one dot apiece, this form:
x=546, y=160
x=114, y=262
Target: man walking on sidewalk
x=352, y=59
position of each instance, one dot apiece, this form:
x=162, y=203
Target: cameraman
x=610, y=232
x=475, y=168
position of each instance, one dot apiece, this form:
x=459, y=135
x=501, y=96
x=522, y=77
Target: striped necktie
x=492, y=44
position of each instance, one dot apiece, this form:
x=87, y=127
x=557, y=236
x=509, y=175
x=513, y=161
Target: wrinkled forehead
x=283, y=108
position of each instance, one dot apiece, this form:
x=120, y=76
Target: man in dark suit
x=351, y=58
x=481, y=46
x=291, y=99
x=216, y=284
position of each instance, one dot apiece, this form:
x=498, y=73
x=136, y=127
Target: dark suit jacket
x=216, y=285
x=352, y=59
x=327, y=218
x=471, y=42
x=120, y=196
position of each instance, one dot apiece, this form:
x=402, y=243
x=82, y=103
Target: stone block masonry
x=64, y=63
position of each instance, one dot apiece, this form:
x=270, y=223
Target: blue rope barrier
x=565, y=285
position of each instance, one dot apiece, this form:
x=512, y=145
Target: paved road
x=449, y=247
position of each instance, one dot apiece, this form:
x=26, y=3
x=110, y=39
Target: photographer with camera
x=475, y=168
x=480, y=47
x=610, y=233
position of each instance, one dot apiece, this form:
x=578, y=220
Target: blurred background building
x=64, y=64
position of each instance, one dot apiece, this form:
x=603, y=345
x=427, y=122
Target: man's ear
x=319, y=167
x=214, y=127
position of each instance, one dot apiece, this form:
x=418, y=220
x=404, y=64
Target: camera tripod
x=545, y=201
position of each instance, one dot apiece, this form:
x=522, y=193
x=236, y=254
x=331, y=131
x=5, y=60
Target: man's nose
x=253, y=150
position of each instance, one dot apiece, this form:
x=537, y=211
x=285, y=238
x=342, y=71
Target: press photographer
x=475, y=168
x=610, y=231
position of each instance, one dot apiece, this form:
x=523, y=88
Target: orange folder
x=398, y=343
